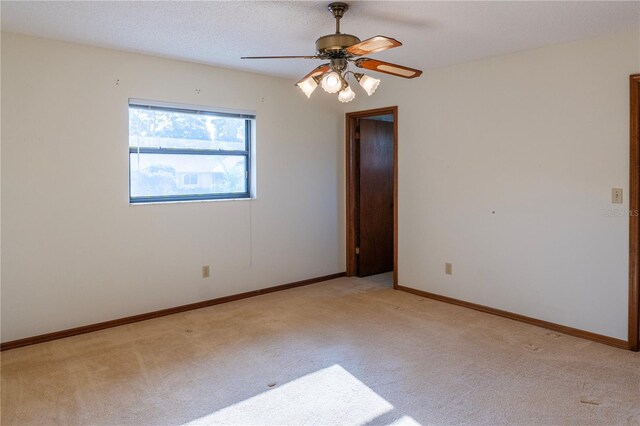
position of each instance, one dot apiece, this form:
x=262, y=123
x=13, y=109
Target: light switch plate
x=448, y=268
x=616, y=195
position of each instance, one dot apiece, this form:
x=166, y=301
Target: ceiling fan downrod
x=338, y=9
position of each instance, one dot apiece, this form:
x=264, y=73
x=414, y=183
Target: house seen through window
x=190, y=178
x=181, y=154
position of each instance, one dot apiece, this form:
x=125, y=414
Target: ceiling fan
x=341, y=49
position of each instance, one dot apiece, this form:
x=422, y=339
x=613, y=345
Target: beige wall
x=539, y=138
x=74, y=251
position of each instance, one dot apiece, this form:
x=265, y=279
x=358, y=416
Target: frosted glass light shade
x=369, y=84
x=308, y=86
x=346, y=95
x=332, y=83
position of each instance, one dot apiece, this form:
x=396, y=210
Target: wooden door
x=635, y=170
x=375, y=197
x=634, y=219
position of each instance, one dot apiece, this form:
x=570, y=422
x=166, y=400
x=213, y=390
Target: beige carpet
x=347, y=351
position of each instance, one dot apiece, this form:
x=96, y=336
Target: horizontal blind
x=191, y=109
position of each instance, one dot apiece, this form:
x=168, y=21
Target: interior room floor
x=346, y=351
x=385, y=279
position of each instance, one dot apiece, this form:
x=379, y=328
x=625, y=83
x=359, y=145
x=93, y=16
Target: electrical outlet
x=616, y=195
x=205, y=271
x=448, y=268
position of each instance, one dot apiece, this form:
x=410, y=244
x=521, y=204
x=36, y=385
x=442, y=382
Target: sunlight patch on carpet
x=405, y=421
x=328, y=396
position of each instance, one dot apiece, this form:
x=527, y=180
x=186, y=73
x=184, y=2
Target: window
x=181, y=153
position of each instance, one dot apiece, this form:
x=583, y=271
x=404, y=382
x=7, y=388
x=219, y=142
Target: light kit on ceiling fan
x=342, y=49
x=369, y=84
x=332, y=82
x=346, y=95
x=308, y=86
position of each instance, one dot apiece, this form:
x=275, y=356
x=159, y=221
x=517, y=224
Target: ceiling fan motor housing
x=333, y=44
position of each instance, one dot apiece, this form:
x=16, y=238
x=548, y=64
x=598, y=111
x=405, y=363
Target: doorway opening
x=634, y=211
x=372, y=192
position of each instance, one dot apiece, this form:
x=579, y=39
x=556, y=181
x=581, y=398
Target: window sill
x=220, y=200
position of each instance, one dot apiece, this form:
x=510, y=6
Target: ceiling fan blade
x=387, y=68
x=280, y=57
x=316, y=72
x=373, y=45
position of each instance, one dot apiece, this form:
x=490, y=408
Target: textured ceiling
x=434, y=34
